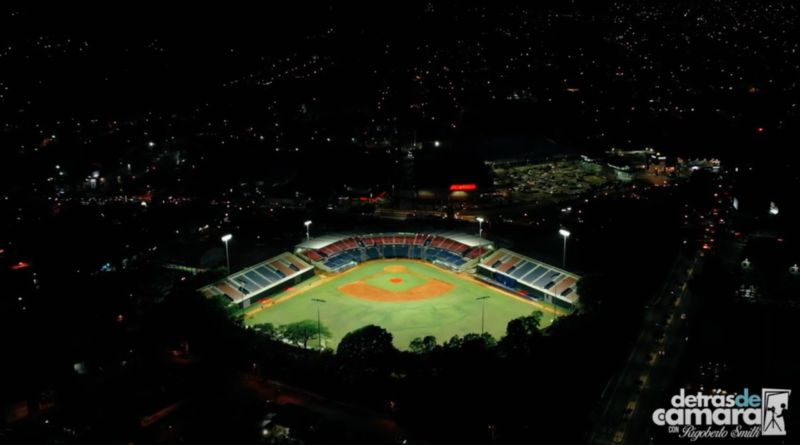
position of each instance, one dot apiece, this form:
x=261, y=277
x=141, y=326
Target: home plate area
x=396, y=284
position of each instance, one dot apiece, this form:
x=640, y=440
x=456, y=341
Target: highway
x=618, y=411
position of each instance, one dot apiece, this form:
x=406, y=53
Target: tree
x=216, y=274
x=210, y=329
x=422, y=345
x=471, y=346
x=593, y=289
x=267, y=329
x=303, y=331
x=527, y=326
x=369, y=348
x=522, y=336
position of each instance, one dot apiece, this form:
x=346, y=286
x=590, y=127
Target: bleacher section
x=261, y=278
x=516, y=271
x=450, y=249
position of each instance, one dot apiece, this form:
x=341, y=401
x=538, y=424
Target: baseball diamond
x=411, y=284
x=437, y=302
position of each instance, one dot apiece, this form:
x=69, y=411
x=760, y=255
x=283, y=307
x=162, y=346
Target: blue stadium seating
x=268, y=273
x=402, y=249
x=546, y=278
x=256, y=278
x=521, y=271
x=242, y=281
x=504, y=280
x=372, y=253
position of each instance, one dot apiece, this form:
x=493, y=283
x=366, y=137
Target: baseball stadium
x=411, y=284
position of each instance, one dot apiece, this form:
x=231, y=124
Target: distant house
x=190, y=257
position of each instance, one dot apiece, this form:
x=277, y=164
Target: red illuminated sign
x=463, y=187
x=373, y=199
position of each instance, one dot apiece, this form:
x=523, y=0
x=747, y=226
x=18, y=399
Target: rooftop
x=248, y=283
x=540, y=276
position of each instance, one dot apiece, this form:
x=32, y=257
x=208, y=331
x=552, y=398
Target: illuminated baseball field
x=410, y=299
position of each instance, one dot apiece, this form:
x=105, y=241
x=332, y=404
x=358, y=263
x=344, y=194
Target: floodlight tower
x=225, y=239
x=483, y=309
x=565, y=234
x=308, y=233
x=319, y=323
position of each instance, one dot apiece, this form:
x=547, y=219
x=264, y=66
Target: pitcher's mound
x=395, y=280
x=394, y=269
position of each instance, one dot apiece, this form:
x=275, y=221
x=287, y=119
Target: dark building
x=443, y=175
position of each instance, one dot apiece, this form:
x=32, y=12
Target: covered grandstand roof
x=254, y=280
x=535, y=274
x=331, y=238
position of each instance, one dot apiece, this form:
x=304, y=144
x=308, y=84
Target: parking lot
x=547, y=181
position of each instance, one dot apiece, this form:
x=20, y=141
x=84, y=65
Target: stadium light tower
x=565, y=234
x=225, y=239
x=308, y=234
x=480, y=224
x=483, y=309
x=319, y=323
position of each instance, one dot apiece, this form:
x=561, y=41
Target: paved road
x=611, y=418
x=660, y=375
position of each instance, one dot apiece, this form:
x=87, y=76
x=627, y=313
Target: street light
x=319, y=323
x=225, y=239
x=308, y=234
x=483, y=309
x=480, y=224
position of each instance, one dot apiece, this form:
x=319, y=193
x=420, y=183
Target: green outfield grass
x=454, y=313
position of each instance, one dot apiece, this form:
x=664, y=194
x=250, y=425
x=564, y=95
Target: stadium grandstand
x=262, y=280
x=336, y=252
x=526, y=276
